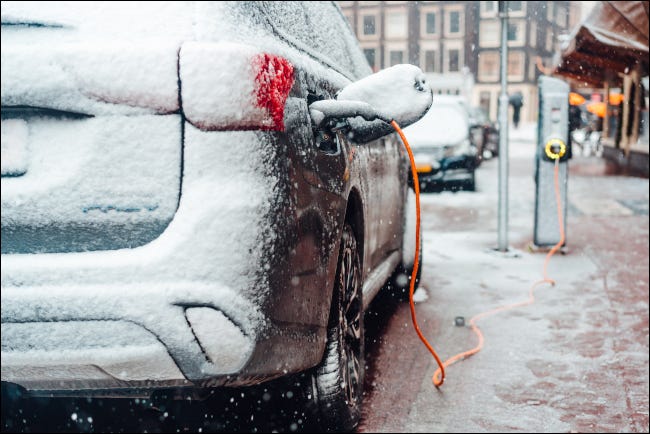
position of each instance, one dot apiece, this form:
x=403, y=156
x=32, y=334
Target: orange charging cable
x=416, y=185
x=439, y=375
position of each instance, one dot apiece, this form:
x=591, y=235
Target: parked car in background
x=172, y=217
x=445, y=156
x=484, y=132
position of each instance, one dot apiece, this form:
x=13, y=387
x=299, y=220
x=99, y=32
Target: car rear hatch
x=92, y=132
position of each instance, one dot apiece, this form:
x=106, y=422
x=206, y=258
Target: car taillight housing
x=228, y=86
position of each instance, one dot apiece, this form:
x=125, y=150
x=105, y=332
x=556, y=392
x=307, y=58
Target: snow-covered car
x=173, y=217
x=484, y=133
x=444, y=153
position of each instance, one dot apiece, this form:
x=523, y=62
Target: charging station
x=553, y=147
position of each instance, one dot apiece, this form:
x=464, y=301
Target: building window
x=396, y=24
x=515, y=6
x=454, y=25
x=489, y=34
x=516, y=66
x=429, y=61
x=489, y=66
x=431, y=22
x=454, y=22
x=454, y=60
x=396, y=57
x=488, y=8
x=512, y=32
x=516, y=33
x=371, y=57
x=369, y=27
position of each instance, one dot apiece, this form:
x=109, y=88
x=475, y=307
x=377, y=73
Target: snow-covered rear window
x=319, y=29
x=121, y=20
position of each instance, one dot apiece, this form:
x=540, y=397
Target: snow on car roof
x=446, y=123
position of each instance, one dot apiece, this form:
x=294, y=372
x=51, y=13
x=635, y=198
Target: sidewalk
x=577, y=359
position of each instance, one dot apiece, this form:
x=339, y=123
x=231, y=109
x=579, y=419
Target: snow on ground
x=420, y=295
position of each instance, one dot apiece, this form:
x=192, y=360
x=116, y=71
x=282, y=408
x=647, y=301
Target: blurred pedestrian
x=516, y=101
x=575, y=118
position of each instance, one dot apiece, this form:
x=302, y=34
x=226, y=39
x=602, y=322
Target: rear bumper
x=461, y=162
x=451, y=169
x=103, y=338
x=96, y=364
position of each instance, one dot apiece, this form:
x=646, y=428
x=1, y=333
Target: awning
x=576, y=99
x=612, y=39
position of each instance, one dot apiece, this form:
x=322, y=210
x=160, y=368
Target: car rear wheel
x=338, y=380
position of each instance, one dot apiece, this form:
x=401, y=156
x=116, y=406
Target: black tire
x=338, y=379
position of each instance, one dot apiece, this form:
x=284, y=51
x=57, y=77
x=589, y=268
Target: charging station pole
x=503, y=131
x=553, y=147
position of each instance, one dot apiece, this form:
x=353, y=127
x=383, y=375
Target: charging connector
x=555, y=149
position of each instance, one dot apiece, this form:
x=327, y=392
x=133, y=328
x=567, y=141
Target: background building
x=457, y=43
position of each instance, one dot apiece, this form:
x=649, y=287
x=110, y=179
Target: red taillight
x=233, y=87
x=274, y=80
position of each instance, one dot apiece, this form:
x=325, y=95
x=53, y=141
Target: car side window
x=336, y=38
x=318, y=29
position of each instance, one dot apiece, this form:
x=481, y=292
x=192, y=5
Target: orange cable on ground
x=416, y=264
x=439, y=375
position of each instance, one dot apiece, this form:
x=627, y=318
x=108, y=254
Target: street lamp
x=503, y=129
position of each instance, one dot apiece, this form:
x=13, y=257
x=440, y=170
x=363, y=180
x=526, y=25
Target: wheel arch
x=355, y=217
